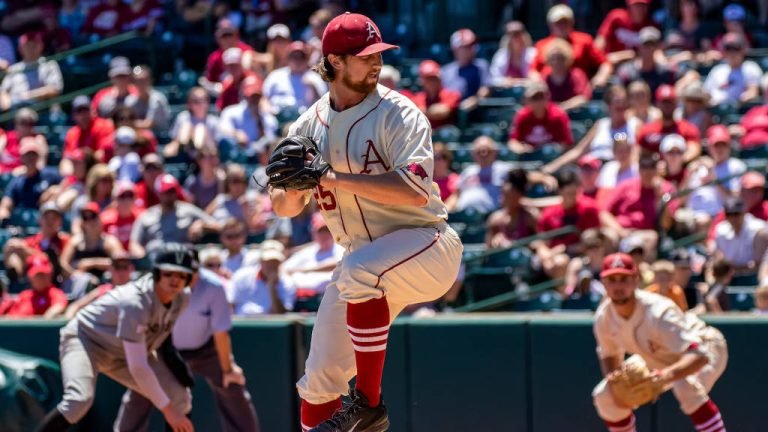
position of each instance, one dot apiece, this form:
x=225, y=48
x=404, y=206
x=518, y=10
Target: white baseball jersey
x=383, y=133
x=658, y=331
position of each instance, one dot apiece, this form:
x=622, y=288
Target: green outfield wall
x=465, y=373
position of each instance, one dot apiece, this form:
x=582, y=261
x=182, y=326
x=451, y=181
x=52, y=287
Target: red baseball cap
x=589, y=161
x=429, y=68
x=37, y=264
x=30, y=36
x=462, y=38
x=665, y=92
x=318, y=222
x=752, y=179
x=251, y=85
x=92, y=207
x=618, y=263
x=631, y=2
x=124, y=186
x=354, y=34
x=718, y=133
x=297, y=46
x=166, y=182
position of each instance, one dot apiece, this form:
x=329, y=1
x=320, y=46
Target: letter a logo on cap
x=372, y=33
x=617, y=262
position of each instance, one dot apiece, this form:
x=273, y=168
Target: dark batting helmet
x=175, y=257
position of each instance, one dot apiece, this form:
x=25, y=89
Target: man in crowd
x=467, y=74
x=107, y=100
x=43, y=298
x=294, y=85
x=33, y=79
x=89, y=132
x=227, y=36
x=262, y=290
x=311, y=267
x=650, y=135
x=441, y=105
x=24, y=192
x=735, y=80
x=539, y=122
x=480, y=183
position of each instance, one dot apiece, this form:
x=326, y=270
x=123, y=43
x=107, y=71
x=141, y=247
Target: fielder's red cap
x=618, y=263
x=354, y=34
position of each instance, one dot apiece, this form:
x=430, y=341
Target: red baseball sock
x=368, y=325
x=707, y=418
x=626, y=425
x=312, y=415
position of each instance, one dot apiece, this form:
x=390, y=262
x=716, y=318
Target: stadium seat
x=468, y=216
x=578, y=130
x=741, y=298
x=579, y=302
x=722, y=111
x=519, y=257
x=446, y=134
x=23, y=218
x=515, y=93
x=481, y=284
x=178, y=170
x=758, y=152
x=588, y=113
x=543, y=154
x=491, y=130
x=544, y=302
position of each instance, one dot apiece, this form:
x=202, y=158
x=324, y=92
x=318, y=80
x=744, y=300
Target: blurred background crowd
x=563, y=131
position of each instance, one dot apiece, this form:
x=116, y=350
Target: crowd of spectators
x=134, y=174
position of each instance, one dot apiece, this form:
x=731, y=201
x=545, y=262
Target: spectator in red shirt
x=107, y=100
x=50, y=240
x=230, y=88
x=586, y=56
x=92, y=133
x=24, y=122
x=752, y=192
x=118, y=219
x=634, y=202
x=143, y=15
x=43, y=298
x=227, y=36
x=106, y=19
x=650, y=135
x=447, y=180
x=440, y=104
x=152, y=168
x=620, y=28
x=6, y=302
x=539, y=122
x=568, y=85
x=589, y=171
x=146, y=142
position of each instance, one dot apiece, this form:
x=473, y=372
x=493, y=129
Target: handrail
x=39, y=106
x=93, y=46
x=510, y=296
x=525, y=241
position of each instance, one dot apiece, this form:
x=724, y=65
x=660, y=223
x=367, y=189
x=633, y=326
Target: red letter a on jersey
x=372, y=157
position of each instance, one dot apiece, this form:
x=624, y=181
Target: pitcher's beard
x=363, y=87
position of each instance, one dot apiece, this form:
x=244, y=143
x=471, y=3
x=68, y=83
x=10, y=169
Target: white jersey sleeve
x=607, y=345
x=410, y=148
x=675, y=332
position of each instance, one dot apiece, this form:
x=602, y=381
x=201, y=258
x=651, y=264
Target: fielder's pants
x=236, y=412
x=81, y=364
x=409, y=266
x=691, y=392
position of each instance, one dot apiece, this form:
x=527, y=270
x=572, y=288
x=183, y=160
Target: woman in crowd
x=98, y=189
x=447, y=180
x=510, y=65
x=568, y=86
x=640, y=105
x=206, y=184
x=193, y=127
x=91, y=249
x=234, y=203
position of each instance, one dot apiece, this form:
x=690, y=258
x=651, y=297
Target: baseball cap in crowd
x=665, y=92
x=631, y=244
x=672, y=142
x=81, y=101
x=695, y=91
x=166, y=182
x=649, y=34
x=734, y=12
x=50, y=206
x=25, y=114
x=463, y=38
x=318, y=222
x=90, y=206
x=589, y=162
x=734, y=205
x=225, y=26
x=37, y=264
x=271, y=250
x=30, y=144
x=717, y=134
x=752, y=179
x=152, y=159
x=429, y=68
x=733, y=40
x=353, y=34
x=535, y=88
x=33, y=36
x=663, y=266
x=559, y=12
x=251, y=85
x=297, y=47
x=122, y=187
x=232, y=56
x=278, y=31
x=618, y=263
x=125, y=135
x=119, y=66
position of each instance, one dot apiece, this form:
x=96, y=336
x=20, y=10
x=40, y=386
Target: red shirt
x=555, y=127
x=31, y=302
x=214, y=67
x=584, y=215
x=576, y=84
x=55, y=245
x=230, y=93
x=99, y=136
x=10, y=157
x=6, y=303
x=139, y=19
x=118, y=226
x=110, y=92
x=755, y=124
x=452, y=98
x=620, y=32
x=650, y=135
x=759, y=211
x=585, y=56
x=106, y=20
x=635, y=206
x=146, y=196
x=448, y=185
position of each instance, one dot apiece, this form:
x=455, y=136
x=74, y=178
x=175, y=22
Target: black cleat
x=356, y=416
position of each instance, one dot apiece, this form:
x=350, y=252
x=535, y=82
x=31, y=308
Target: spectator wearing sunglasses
x=735, y=80
x=227, y=36
x=539, y=122
x=236, y=201
x=212, y=258
x=118, y=218
x=92, y=133
x=235, y=255
x=193, y=128
x=90, y=250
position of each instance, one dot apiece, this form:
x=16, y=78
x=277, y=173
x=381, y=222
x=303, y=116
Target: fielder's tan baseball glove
x=634, y=385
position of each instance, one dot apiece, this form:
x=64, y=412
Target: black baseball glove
x=289, y=166
x=178, y=367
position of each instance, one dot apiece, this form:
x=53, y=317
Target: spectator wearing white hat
x=673, y=167
x=126, y=162
x=106, y=100
x=294, y=85
x=150, y=106
x=467, y=74
x=262, y=290
x=695, y=106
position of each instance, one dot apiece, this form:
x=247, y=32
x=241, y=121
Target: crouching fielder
x=670, y=350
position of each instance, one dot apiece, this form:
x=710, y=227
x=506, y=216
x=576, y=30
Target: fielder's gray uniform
x=92, y=343
x=208, y=313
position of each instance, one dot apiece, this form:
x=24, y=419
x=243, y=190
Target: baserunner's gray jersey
x=130, y=312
